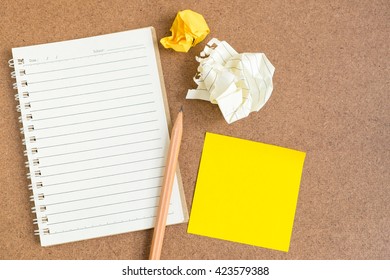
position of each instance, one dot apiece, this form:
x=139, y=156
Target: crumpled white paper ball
x=238, y=83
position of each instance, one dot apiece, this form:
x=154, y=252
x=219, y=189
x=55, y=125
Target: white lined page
x=101, y=135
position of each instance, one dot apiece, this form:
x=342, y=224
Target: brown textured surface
x=330, y=99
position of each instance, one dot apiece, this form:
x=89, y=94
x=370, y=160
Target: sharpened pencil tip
x=181, y=108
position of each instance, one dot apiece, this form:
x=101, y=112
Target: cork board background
x=330, y=99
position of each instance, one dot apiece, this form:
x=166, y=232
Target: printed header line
x=136, y=47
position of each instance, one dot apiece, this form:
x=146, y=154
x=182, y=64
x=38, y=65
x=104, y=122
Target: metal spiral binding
x=41, y=209
x=43, y=220
x=37, y=185
x=21, y=73
x=26, y=106
x=36, y=173
x=11, y=62
x=40, y=196
x=43, y=231
x=21, y=84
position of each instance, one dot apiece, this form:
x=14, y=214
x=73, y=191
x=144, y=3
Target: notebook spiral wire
x=25, y=119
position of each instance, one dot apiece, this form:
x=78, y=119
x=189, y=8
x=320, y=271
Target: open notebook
x=95, y=122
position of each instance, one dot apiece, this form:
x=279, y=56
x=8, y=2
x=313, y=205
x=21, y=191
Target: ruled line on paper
x=99, y=177
x=97, y=129
x=88, y=93
x=105, y=186
x=103, y=205
x=99, y=216
x=85, y=65
x=96, y=139
x=126, y=47
x=85, y=75
x=109, y=224
x=98, y=196
x=90, y=102
x=81, y=57
x=94, y=111
x=100, y=167
x=97, y=120
x=90, y=159
x=88, y=84
x=101, y=148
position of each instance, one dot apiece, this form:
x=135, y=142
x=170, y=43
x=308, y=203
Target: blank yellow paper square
x=246, y=192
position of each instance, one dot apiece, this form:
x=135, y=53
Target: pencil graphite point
x=181, y=108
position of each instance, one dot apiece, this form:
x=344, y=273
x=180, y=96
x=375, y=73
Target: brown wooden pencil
x=166, y=190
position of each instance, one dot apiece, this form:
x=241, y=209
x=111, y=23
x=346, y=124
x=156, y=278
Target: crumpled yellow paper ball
x=188, y=29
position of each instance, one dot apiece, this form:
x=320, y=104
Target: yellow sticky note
x=246, y=192
x=188, y=29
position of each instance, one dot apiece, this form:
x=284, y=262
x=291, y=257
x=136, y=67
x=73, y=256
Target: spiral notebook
x=95, y=124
